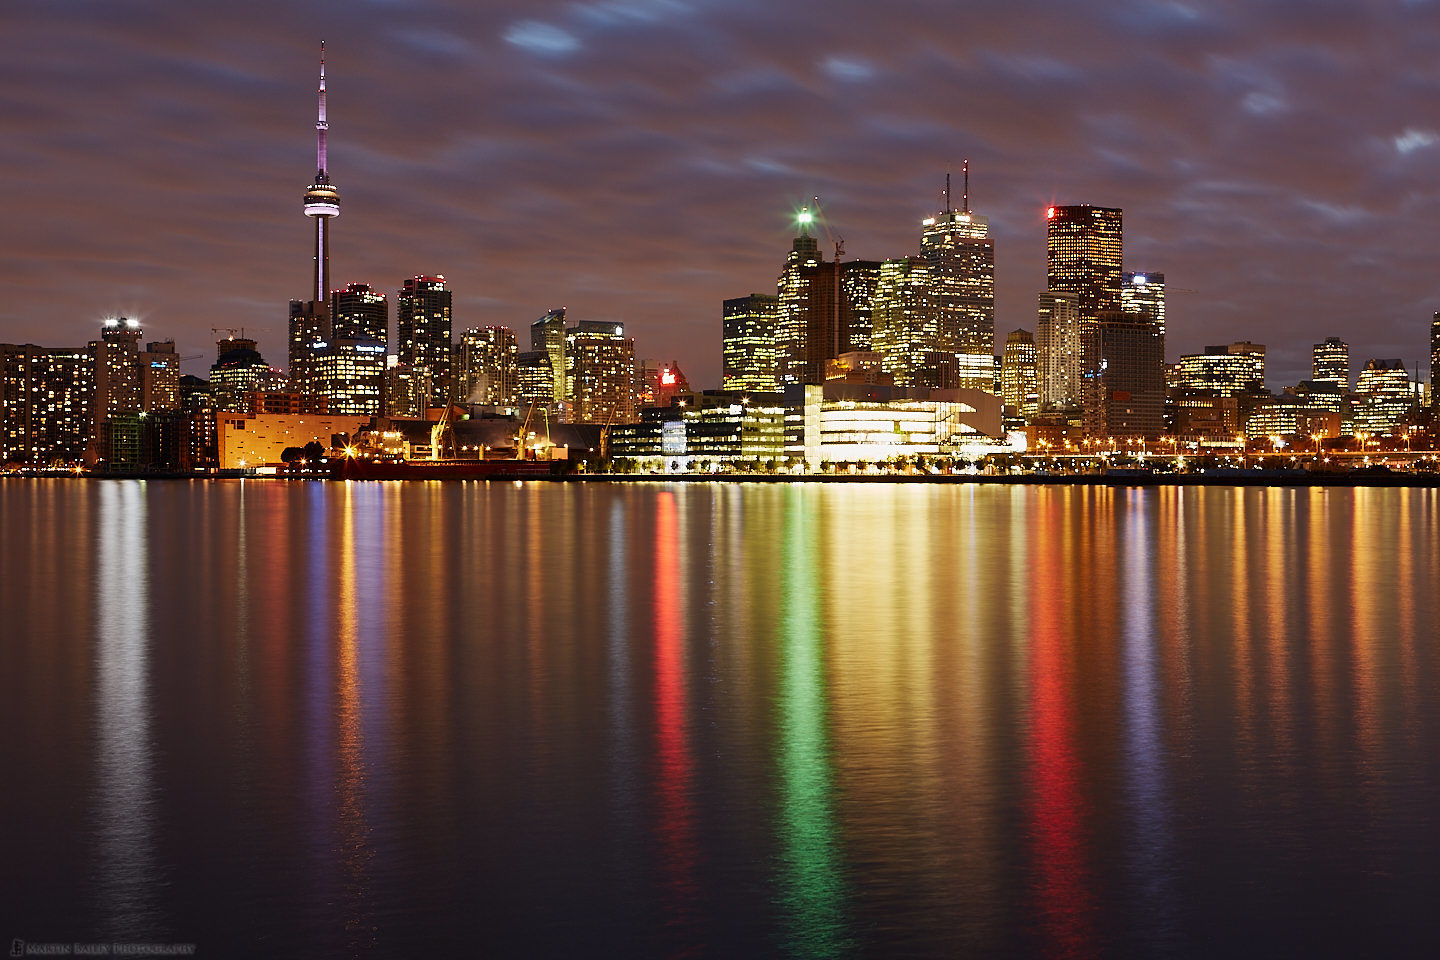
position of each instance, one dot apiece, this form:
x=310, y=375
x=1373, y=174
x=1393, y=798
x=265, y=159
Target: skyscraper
x=423, y=329
x=360, y=312
x=487, y=365
x=1059, y=350
x=601, y=372
x=159, y=377
x=47, y=403
x=749, y=350
x=1144, y=293
x=310, y=319
x=958, y=243
x=1084, y=253
x=548, y=336
x=1018, y=385
x=117, y=369
x=1331, y=360
x=793, y=302
x=1124, y=380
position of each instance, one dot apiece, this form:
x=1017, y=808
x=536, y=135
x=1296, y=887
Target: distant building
x=1018, y=385
x=1143, y=292
x=709, y=429
x=118, y=388
x=1124, y=388
x=1084, y=251
x=1331, y=362
x=1059, y=351
x=349, y=372
x=423, y=331
x=259, y=439
x=488, y=373
x=238, y=371
x=47, y=404
x=1385, y=397
x=793, y=303
x=359, y=312
x=658, y=382
x=159, y=377
x=860, y=424
x=600, y=372
x=535, y=380
x=1225, y=370
x=749, y=347
x=547, y=335
x=309, y=329
x=408, y=390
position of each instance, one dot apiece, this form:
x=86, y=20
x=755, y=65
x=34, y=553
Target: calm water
x=719, y=720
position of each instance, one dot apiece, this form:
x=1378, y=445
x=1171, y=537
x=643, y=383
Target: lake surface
x=811, y=720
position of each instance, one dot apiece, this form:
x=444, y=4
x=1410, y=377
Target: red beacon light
x=1050, y=213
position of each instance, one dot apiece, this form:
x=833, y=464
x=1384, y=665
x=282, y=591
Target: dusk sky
x=641, y=160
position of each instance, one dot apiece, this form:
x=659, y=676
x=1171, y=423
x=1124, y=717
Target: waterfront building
x=547, y=335
x=359, y=312
x=47, y=404
x=198, y=402
x=1059, y=351
x=1291, y=415
x=749, y=351
x=1385, y=397
x=706, y=431
x=866, y=425
x=1084, y=247
x=1143, y=292
x=259, y=439
x=600, y=373
x=1331, y=363
x=408, y=390
x=159, y=377
x=1124, y=382
x=423, y=331
x=117, y=369
x=1018, y=385
x=1225, y=370
x=349, y=373
x=488, y=373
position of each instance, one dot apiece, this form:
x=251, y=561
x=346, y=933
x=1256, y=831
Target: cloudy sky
x=641, y=160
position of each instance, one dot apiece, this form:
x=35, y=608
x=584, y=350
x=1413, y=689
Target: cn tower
x=322, y=200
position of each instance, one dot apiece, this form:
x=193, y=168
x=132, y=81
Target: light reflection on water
x=798, y=720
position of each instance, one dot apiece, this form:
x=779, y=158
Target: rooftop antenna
x=965, y=194
x=947, y=192
x=321, y=126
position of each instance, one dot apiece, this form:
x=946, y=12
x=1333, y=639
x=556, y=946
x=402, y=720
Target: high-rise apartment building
x=118, y=388
x=159, y=377
x=793, y=302
x=1059, y=351
x=408, y=391
x=1330, y=362
x=601, y=372
x=47, y=403
x=358, y=312
x=238, y=371
x=349, y=373
x=749, y=347
x=1018, y=385
x=423, y=329
x=1144, y=293
x=488, y=371
x=535, y=380
x=1084, y=249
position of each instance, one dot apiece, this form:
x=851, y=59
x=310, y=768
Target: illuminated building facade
x=309, y=327
x=1018, y=385
x=1144, y=293
x=238, y=371
x=423, y=331
x=117, y=379
x=716, y=427
x=1330, y=362
x=1059, y=351
x=600, y=372
x=159, y=377
x=792, y=291
x=957, y=243
x=349, y=372
x=1124, y=381
x=858, y=279
x=658, y=382
x=1084, y=248
x=488, y=373
x=849, y=423
x=359, y=313
x=535, y=379
x=47, y=403
x=258, y=439
x=408, y=390
x=547, y=335
x=1386, y=396
x=309, y=323
x=1434, y=356
x=1223, y=370
x=749, y=346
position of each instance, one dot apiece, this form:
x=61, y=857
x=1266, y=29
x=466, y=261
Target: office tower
x=159, y=377
x=238, y=371
x=488, y=371
x=1225, y=370
x=1385, y=396
x=359, y=312
x=1018, y=385
x=1084, y=250
x=408, y=391
x=858, y=279
x=1124, y=384
x=309, y=323
x=1434, y=357
x=793, y=302
x=117, y=369
x=349, y=373
x=47, y=403
x=1331, y=362
x=749, y=348
x=1144, y=293
x=1059, y=351
x=658, y=382
x=422, y=326
x=548, y=336
x=958, y=243
x=600, y=372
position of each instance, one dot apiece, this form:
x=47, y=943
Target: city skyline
x=660, y=218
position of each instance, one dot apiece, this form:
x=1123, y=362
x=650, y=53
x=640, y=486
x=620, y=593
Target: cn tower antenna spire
x=321, y=126
x=964, y=191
